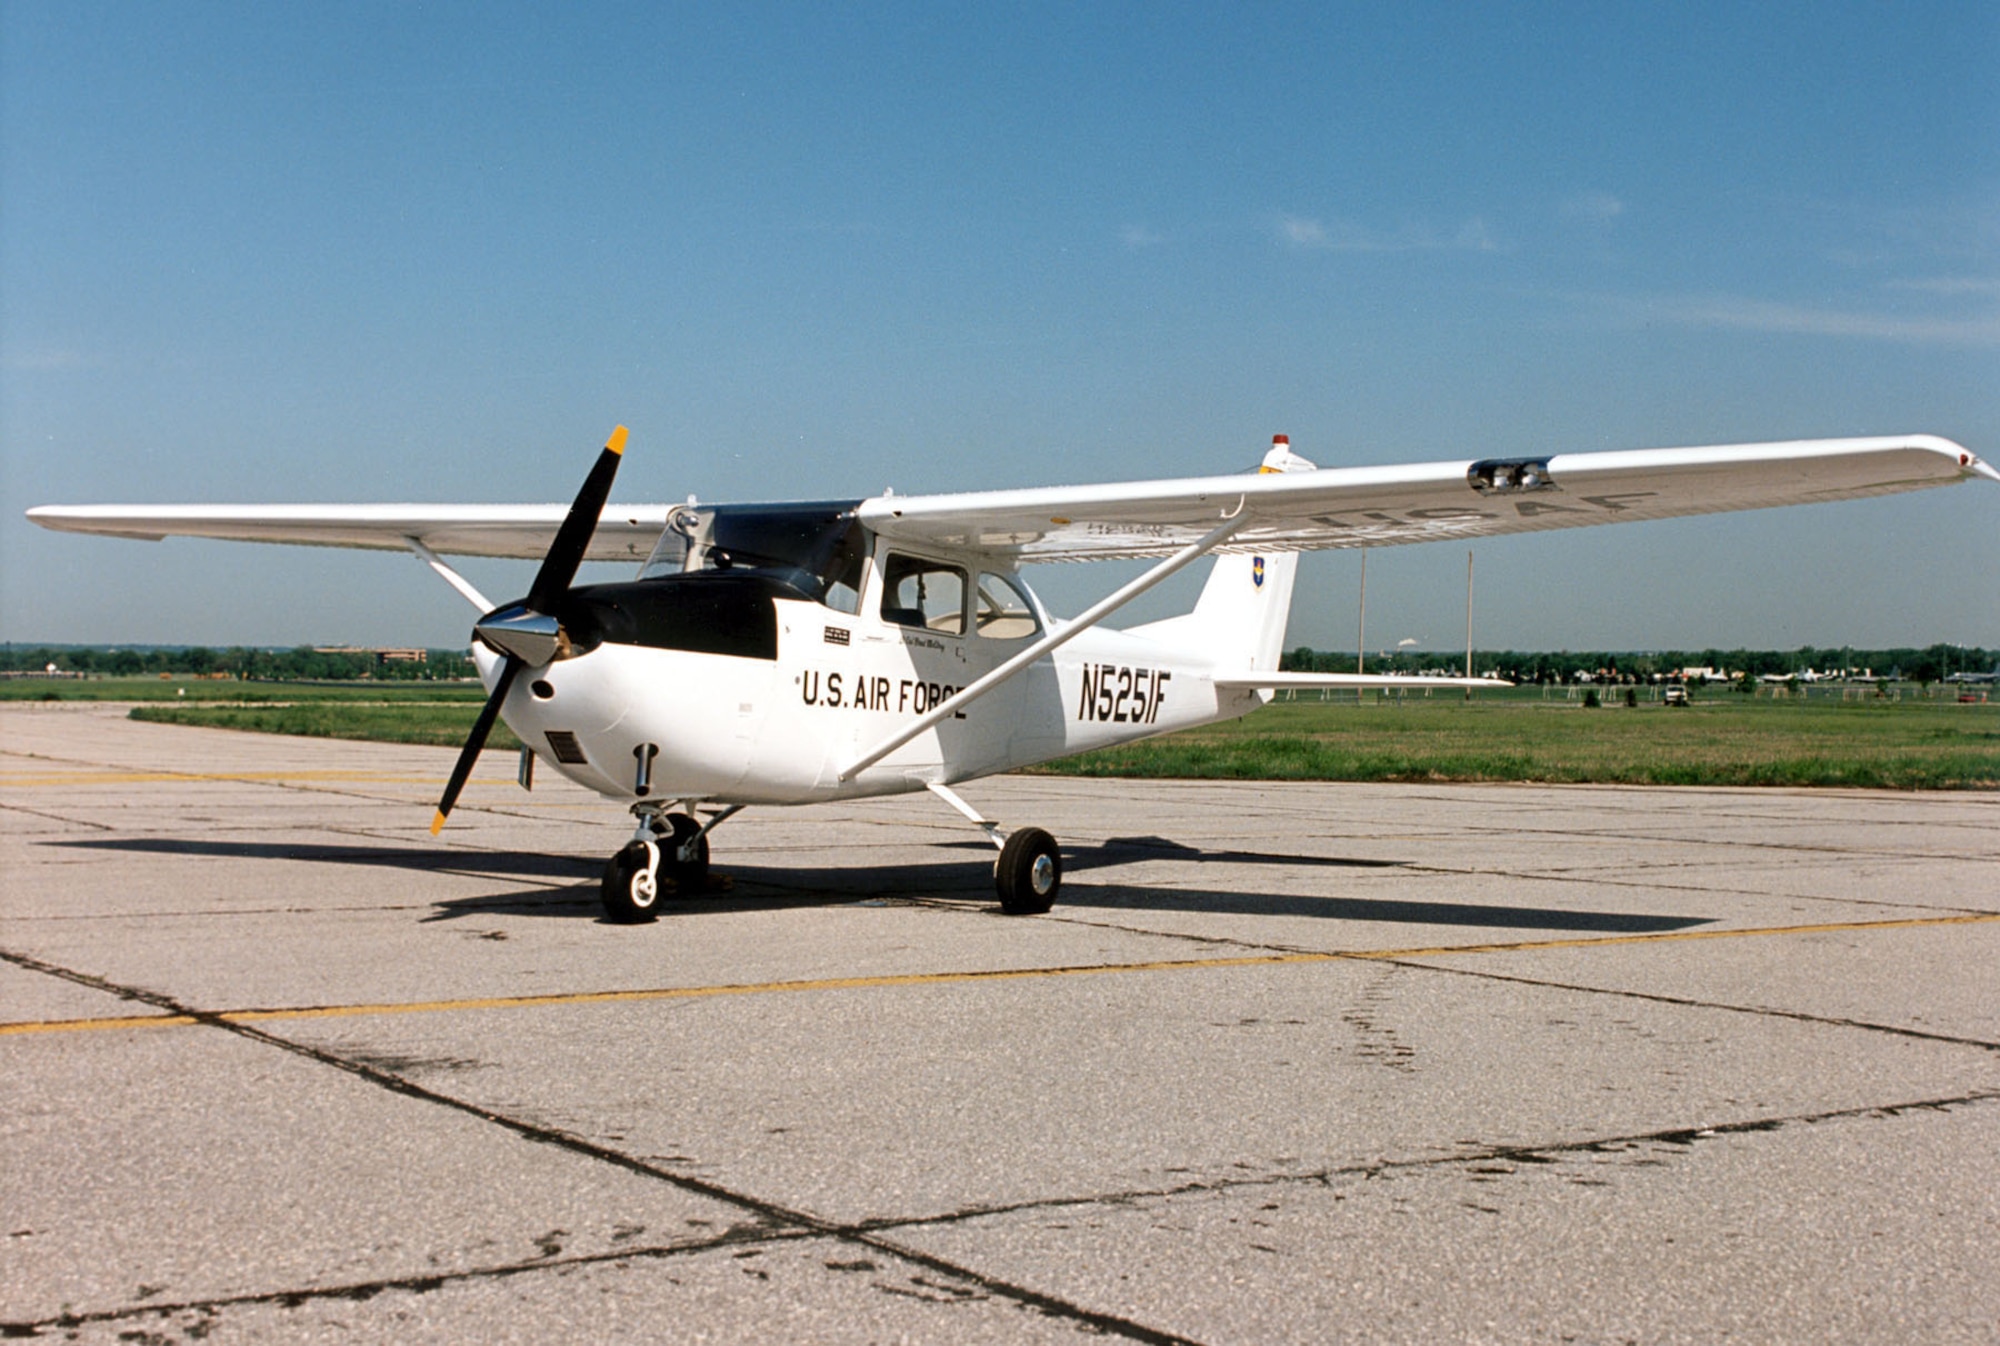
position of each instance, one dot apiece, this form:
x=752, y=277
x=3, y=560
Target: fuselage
x=734, y=688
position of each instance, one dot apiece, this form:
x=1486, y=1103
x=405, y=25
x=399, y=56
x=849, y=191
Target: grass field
x=240, y=693
x=1722, y=739
x=1725, y=739
x=439, y=713
x=444, y=724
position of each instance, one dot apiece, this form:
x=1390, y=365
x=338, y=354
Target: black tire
x=689, y=876
x=1029, y=873
x=627, y=898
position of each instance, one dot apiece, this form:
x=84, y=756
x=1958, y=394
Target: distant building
x=383, y=655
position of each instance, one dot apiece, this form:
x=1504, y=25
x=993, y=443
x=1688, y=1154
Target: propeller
x=528, y=632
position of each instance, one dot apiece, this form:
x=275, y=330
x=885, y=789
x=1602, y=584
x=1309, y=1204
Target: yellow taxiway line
x=10, y=778
x=950, y=978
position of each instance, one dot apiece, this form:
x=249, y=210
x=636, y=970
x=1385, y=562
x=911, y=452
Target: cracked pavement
x=1287, y=1062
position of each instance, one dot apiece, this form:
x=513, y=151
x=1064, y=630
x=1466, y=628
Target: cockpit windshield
x=815, y=549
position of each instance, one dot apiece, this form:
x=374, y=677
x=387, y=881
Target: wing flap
x=1425, y=502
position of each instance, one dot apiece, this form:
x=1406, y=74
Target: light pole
x=1361, y=626
x=1468, y=619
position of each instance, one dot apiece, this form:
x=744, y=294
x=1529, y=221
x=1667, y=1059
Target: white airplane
x=793, y=653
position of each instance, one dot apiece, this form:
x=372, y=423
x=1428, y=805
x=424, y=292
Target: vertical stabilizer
x=1239, y=620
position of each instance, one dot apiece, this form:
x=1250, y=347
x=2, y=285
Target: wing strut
x=449, y=576
x=1069, y=631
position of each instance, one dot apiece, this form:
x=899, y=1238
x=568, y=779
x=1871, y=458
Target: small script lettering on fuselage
x=1120, y=695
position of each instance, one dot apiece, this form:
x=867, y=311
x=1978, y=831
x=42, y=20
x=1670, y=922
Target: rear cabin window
x=925, y=594
x=1000, y=611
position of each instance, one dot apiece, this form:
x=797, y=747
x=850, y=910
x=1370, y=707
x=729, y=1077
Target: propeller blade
x=475, y=741
x=573, y=538
x=531, y=626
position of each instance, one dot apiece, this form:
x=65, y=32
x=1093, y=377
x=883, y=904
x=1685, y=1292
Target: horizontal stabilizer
x=1277, y=682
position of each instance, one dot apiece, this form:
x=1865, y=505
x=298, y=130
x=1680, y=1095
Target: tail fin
x=1240, y=618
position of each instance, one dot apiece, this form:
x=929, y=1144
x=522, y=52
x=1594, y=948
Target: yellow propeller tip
x=617, y=441
x=437, y=823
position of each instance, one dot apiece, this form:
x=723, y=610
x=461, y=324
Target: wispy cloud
x=1139, y=236
x=1338, y=235
x=1304, y=233
x=46, y=360
x=1737, y=313
x=1951, y=285
x=1598, y=208
x=1474, y=236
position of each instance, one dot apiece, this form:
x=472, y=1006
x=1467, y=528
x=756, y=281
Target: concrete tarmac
x=1288, y=1063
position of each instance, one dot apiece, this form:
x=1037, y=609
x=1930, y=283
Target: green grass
x=444, y=724
x=178, y=689
x=1722, y=739
x=439, y=713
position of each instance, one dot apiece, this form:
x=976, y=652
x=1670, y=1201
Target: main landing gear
x=667, y=848
x=1028, y=874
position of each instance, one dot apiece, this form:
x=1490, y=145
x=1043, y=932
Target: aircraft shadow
x=573, y=880
x=511, y=864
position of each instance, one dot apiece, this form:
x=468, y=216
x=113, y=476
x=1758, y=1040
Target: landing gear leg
x=1028, y=875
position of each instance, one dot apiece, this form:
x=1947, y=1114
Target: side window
x=1000, y=610
x=843, y=589
x=924, y=594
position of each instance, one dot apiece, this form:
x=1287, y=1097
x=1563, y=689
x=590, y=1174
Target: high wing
x=624, y=532
x=1425, y=502
x=1328, y=507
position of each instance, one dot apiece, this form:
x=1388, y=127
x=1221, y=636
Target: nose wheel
x=632, y=884
x=671, y=848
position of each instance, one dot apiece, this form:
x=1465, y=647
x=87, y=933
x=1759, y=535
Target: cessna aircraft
x=791, y=653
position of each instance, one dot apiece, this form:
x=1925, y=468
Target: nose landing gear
x=632, y=883
x=667, y=848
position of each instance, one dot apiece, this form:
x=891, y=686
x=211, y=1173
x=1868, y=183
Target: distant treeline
x=304, y=663
x=1911, y=665
x=301, y=664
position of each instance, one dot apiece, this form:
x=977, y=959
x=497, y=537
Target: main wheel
x=631, y=895
x=1029, y=873
x=688, y=875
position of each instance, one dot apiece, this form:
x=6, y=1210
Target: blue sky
x=434, y=252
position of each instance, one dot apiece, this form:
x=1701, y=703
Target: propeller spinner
x=527, y=632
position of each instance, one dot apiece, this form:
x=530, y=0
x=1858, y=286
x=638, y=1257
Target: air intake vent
x=567, y=750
